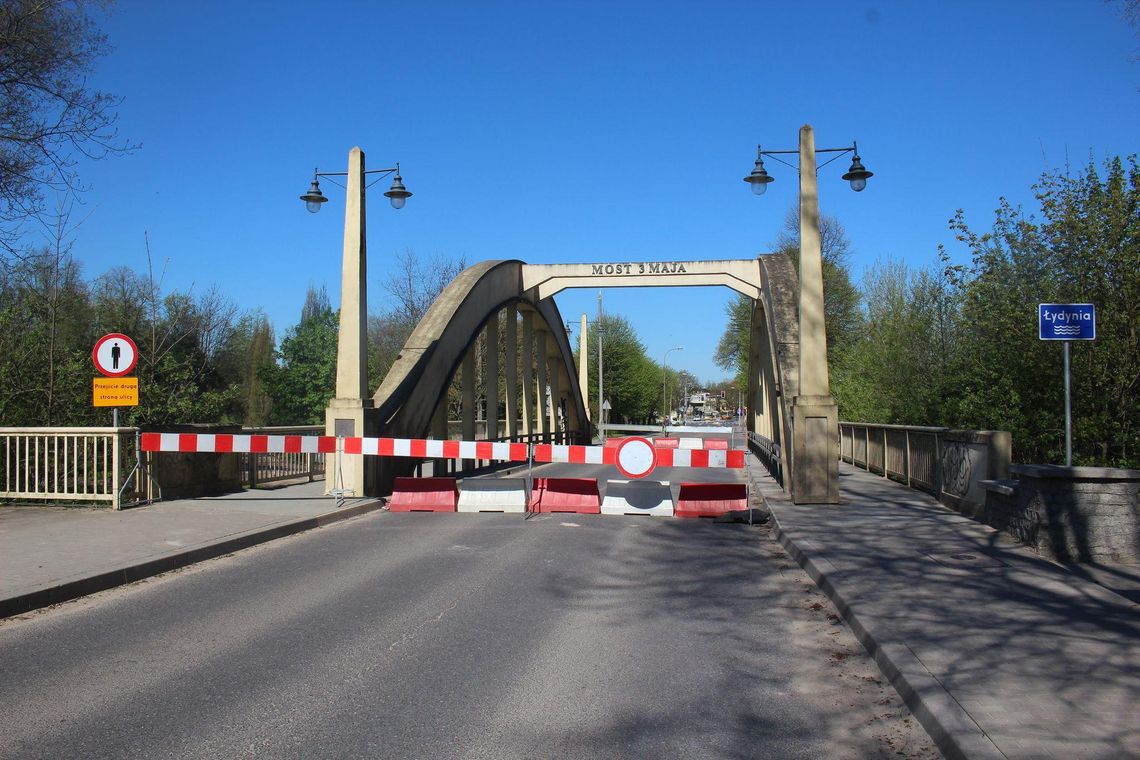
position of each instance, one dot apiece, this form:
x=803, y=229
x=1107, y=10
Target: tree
x=898, y=371
x=1085, y=248
x=242, y=359
x=732, y=348
x=303, y=380
x=841, y=299
x=632, y=381
x=48, y=116
x=45, y=340
x=412, y=290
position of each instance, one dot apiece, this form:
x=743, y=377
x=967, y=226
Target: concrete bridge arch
x=512, y=304
x=485, y=299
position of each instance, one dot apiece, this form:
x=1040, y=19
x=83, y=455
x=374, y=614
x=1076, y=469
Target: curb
x=954, y=732
x=45, y=597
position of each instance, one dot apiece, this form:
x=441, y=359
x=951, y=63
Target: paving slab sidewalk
x=52, y=554
x=997, y=651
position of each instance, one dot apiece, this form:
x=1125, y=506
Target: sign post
x=115, y=355
x=1067, y=322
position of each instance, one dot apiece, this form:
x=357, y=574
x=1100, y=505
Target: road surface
x=458, y=636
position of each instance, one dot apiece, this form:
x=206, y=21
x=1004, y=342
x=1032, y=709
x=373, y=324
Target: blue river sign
x=1066, y=321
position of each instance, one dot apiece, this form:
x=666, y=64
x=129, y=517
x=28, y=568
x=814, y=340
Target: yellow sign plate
x=116, y=391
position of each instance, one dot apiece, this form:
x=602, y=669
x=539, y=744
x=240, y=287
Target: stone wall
x=967, y=458
x=1071, y=514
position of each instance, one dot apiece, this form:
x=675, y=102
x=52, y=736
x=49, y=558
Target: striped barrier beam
x=732, y=459
x=427, y=449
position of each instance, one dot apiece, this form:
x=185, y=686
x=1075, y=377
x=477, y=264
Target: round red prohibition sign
x=636, y=457
x=115, y=355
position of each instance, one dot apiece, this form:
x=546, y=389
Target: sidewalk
x=998, y=652
x=52, y=554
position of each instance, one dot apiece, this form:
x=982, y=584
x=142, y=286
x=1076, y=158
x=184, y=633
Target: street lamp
x=857, y=175
x=397, y=194
x=664, y=367
x=811, y=442
x=345, y=414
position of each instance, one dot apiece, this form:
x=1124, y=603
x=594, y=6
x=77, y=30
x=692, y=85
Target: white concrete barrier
x=638, y=497
x=492, y=495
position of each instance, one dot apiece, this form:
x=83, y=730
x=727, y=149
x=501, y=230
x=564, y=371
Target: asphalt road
x=458, y=636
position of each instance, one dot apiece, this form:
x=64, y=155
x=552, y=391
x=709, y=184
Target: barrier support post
x=529, y=473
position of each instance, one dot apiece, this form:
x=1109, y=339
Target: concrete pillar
x=543, y=382
x=345, y=415
x=468, y=380
x=584, y=363
x=528, y=405
x=491, y=378
x=754, y=394
x=555, y=363
x=815, y=416
x=511, y=369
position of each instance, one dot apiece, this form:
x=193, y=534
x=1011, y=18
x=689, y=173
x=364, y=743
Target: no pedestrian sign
x=115, y=355
x=1066, y=321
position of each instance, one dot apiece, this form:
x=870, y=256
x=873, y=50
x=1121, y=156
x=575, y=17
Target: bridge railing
x=951, y=464
x=769, y=453
x=68, y=464
x=270, y=467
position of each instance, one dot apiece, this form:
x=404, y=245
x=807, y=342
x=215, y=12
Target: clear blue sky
x=583, y=131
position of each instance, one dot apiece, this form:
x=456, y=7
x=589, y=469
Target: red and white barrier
x=638, y=497
x=429, y=449
x=424, y=495
x=711, y=499
x=578, y=495
x=493, y=495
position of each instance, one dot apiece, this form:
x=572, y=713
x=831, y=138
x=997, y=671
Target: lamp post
x=601, y=411
x=345, y=414
x=664, y=368
x=815, y=416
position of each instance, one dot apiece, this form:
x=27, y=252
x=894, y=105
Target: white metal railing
x=83, y=464
x=269, y=467
x=951, y=464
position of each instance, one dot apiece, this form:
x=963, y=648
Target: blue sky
x=559, y=132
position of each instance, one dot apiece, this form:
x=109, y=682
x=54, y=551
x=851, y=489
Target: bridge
x=509, y=305
x=912, y=579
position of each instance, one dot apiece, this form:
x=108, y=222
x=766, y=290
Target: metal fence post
x=116, y=502
x=906, y=460
x=885, y=457
x=938, y=465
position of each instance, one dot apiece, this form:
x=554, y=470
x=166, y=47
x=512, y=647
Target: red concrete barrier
x=715, y=444
x=577, y=495
x=711, y=499
x=424, y=495
x=666, y=443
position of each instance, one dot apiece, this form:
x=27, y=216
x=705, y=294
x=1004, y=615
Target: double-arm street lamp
x=664, y=369
x=345, y=413
x=397, y=193
x=857, y=175
x=815, y=416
